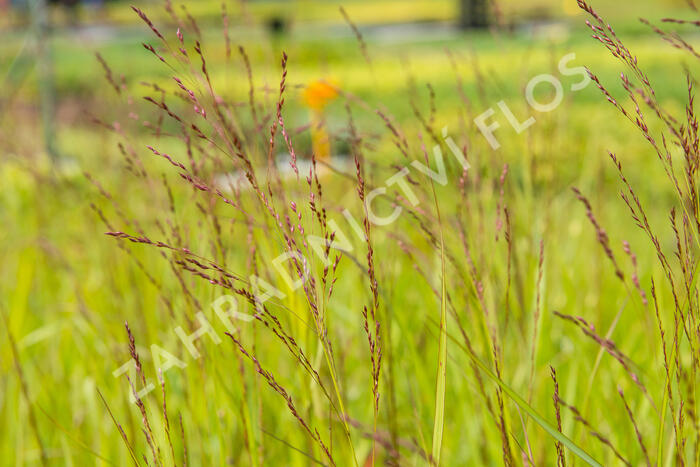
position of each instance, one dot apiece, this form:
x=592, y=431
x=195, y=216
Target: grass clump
x=367, y=281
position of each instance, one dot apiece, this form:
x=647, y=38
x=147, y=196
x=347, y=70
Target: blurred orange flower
x=319, y=93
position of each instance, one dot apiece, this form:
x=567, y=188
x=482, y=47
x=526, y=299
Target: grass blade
x=441, y=383
x=121, y=431
x=549, y=428
x=439, y=422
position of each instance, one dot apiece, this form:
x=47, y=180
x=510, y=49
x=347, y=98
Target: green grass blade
x=440, y=386
x=121, y=431
x=549, y=428
x=441, y=383
x=73, y=438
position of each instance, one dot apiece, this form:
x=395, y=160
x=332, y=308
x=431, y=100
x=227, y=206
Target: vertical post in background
x=473, y=14
x=47, y=93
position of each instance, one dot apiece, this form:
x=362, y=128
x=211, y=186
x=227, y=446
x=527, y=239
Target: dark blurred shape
x=68, y=3
x=473, y=14
x=26, y=4
x=277, y=25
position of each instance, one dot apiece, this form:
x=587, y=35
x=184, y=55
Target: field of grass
x=501, y=318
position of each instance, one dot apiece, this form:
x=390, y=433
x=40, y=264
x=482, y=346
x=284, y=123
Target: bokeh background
x=66, y=289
